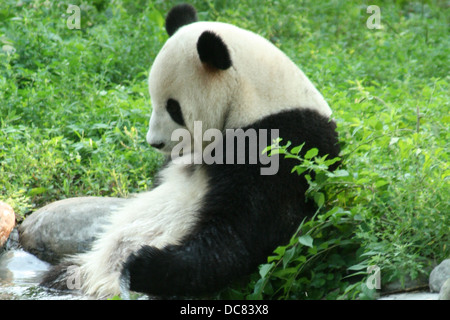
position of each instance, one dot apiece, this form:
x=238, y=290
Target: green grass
x=74, y=111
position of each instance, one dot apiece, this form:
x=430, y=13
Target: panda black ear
x=213, y=51
x=179, y=16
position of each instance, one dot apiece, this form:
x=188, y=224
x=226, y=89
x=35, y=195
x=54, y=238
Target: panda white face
x=184, y=89
x=223, y=76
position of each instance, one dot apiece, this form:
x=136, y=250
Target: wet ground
x=20, y=273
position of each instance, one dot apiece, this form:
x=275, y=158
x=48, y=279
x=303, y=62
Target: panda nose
x=158, y=145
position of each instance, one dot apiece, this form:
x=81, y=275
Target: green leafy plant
x=313, y=265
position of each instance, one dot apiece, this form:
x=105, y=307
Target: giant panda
x=204, y=225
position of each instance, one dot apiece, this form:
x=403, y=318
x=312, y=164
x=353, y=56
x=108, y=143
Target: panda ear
x=179, y=16
x=213, y=51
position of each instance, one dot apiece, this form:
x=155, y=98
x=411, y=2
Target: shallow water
x=20, y=273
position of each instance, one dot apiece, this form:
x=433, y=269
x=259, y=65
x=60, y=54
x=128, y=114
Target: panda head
x=221, y=75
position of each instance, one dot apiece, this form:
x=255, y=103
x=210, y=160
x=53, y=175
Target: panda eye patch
x=174, y=110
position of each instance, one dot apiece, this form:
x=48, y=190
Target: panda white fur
x=203, y=226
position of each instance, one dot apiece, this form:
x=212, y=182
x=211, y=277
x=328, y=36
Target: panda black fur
x=243, y=218
x=204, y=226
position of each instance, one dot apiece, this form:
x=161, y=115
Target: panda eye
x=174, y=110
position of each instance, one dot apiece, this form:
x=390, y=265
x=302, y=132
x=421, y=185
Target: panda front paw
x=138, y=273
x=152, y=271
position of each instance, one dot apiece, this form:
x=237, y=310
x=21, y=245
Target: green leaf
x=332, y=161
x=292, y=156
x=298, y=169
x=338, y=173
x=311, y=153
x=381, y=183
x=300, y=259
x=266, y=149
x=264, y=269
x=155, y=15
x=36, y=191
x=357, y=267
x=319, y=198
x=296, y=150
x=280, y=250
x=288, y=256
x=276, y=151
x=257, y=290
x=306, y=240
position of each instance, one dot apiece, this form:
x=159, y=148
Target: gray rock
x=408, y=284
x=12, y=242
x=439, y=275
x=444, y=294
x=66, y=227
x=411, y=296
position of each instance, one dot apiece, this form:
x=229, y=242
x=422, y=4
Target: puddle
x=20, y=273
